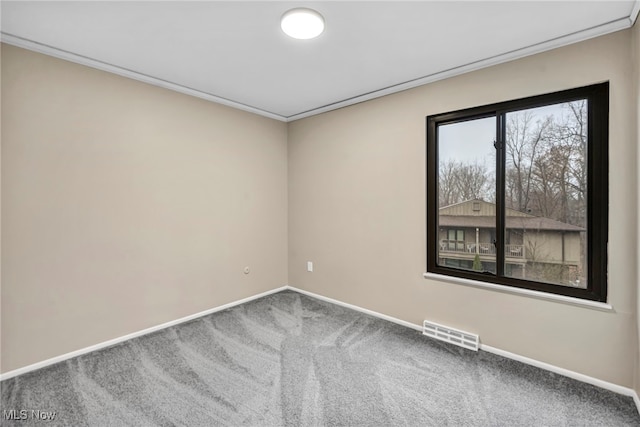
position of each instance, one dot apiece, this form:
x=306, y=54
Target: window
x=517, y=193
x=455, y=241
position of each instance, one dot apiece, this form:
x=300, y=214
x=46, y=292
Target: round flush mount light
x=302, y=23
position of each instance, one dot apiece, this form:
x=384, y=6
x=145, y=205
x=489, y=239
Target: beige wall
x=357, y=210
x=125, y=206
x=635, y=58
x=1, y=173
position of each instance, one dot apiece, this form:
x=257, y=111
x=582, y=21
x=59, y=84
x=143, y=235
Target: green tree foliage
x=477, y=264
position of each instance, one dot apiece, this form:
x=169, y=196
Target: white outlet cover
x=309, y=266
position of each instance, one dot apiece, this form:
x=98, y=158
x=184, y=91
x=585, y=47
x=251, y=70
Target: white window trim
x=519, y=291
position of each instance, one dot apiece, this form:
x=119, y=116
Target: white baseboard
x=546, y=366
x=356, y=308
x=109, y=343
x=561, y=371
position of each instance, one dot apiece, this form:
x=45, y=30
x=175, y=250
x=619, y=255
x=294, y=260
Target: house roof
x=477, y=207
x=522, y=223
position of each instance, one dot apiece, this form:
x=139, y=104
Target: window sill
x=524, y=292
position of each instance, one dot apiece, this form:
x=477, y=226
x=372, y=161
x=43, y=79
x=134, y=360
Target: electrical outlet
x=309, y=266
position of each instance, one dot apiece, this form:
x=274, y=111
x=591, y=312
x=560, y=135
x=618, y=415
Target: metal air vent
x=451, y=335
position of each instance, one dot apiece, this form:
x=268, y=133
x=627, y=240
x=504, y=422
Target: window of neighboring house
x=530, y=176
x=455, y=240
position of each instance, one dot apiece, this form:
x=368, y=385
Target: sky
x=468, y=142
x=472, y=141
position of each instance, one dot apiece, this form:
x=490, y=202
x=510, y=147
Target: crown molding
x=110, y=68
x=617, y=25
x=633, y=16
x=611, y=27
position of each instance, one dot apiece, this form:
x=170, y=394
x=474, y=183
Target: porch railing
x=454, y=246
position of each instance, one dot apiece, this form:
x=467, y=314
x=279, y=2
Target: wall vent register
x=451, y=335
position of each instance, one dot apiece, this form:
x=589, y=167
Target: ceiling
x=234, y=52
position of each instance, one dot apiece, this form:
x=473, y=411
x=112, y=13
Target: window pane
x=466, y=195
x=546, y=194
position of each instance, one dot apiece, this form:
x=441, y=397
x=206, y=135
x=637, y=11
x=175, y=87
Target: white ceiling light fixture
x=302, y=23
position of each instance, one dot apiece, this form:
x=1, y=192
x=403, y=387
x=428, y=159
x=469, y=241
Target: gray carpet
x=287, y=359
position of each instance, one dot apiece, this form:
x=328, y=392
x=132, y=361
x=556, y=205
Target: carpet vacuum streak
x=291, y=360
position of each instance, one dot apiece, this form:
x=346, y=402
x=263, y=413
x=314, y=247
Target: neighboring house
x=537, y=247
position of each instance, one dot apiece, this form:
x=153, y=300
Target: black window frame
x=597, y=96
